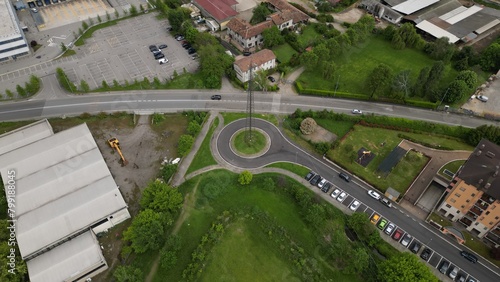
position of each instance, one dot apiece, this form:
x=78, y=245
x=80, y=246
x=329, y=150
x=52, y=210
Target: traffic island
x=253, y=146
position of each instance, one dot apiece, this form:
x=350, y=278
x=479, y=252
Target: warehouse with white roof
x=13, y=43
x=65, y=194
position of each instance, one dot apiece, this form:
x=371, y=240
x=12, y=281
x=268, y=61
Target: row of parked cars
x=316, y=180
x=158, y=54
x=185, y=44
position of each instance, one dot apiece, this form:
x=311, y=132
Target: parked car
x=415, y=246
x=39, y=3
x=341, y=197
x=326, y=187
x=374, y=194
x=247, y=53
x=310, y=175
x=159, y=56
x=482, y=98
x=344, y=176
x=163, y=61
x=179, y=38
x=386, y=202
x=156, y=52
x=322, y=183
x=469, y=256
x=382, y=223
x=355, y=205
x=390, y=228
x=444, y=267
x=34, y=10
x=426, y=254
x=216, y=97
x=314, y=181
x=186, y=45
x=453, y=273
x=357, y=112
x=460, y=278
x=406, y=240
x=153, y=48
x=397, y=234
x=271, y=78
x=163, y=46
x=375, y=218
x=191, y=51
x=336, y=193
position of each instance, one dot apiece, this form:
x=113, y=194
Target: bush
x=167, y=171
x=157, y=118
x=245, y=177
x=64, y=81
x=185, y=144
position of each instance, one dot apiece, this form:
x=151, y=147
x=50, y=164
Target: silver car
x=341, y=197
x=336, y=193
x=388, y=230
x=354, y=206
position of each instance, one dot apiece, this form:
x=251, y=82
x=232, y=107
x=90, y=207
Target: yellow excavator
x=115, y=144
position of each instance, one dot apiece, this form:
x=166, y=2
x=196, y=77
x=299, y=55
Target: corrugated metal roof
x=24, y=135
x=436, y=31
x=487, y=26
x=411, y=6
x=465, y=14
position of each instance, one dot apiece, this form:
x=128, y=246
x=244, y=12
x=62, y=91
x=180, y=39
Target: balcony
x=475, y=210
x=487, y=199
x=465, y=221
x=471, y=216
x=493, y=238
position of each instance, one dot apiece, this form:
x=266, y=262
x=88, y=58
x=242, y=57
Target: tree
x=176, y=18
x=378, y=79
x=316, y=215
x=272, y=37
x=245, y=177
x=404, y=267
x=309, y=60
x=419, y=86
x=20, y=90
x=358, y=261
x=260, y=79
x=63, y=47
x=191, y=34
x=398, y=42
x=117, y=14
x=99, y=19
x=456, y=91
x=128, y=273
x=167, y=259
x=9, y=93
x=133, y=10
x=441, y=49
x=185, y=143
x=402, y=82
x=409, y=34
x=146, y=231
x=490, y=58
x=435, y=75
x=161, y=198
x=489, y=132
x=193, y=128
x=260, y=14
x=108, y=16
x=329, y=69
x=84, y=25
x=84, y=86
x=469, y=77
x=33, y=43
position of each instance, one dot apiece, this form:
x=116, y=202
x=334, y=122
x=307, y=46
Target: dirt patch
x=320, y=135
x=349, y=16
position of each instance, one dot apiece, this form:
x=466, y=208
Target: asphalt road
x=282, y=149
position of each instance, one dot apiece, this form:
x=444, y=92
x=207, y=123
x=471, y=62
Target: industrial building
x=13, y=43
x=65, y=195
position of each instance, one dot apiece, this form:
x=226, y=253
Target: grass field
x=451, y=166
x=441, y=141
x=203, y=157
x=357, y=65
x=309, y=35
x=297, y=169
x=255, y=145
x=284, y=52
x=372, y=139
x=230, y=117
x=339, y=128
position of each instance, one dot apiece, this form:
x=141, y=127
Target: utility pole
x=444, y=96
x=250, y=106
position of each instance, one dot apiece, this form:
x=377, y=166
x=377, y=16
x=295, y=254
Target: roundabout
x=256, y=146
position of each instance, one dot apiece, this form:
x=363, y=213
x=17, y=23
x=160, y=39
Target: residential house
x=282, y=5
x=473, y=197
x=220, y=10
x=262, y=60
x=245, y=34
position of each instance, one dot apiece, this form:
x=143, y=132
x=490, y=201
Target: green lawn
x=249, y=147
x=186, y=81
x=230, y=117
x=254, y=260
x=295, y=168
x=357, y=65
x=441, y=141
x=439, y=219
x=451, y=166
x=203, y=157
x=309, y=35
x=371, y=139
x=339, y=128
x=284, y=52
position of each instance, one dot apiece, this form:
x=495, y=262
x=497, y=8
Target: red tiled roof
x=257, y=59
x=246, y=30
x=219, y=9
x=283, y=5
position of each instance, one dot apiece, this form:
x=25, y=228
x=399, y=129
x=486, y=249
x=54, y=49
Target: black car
x=415, y=246
x=159, y=56
x=153, y=48
x=47, y=2
x=326, y=187
x=344, y=176
x=271, y=78
x=163, y=46
x=216, y=97
x=310, y=175
x=247, y=53
x=426, y=254
x=469, y=256
x=191, y=51
x=39, y=3
x=186, y=46
x=315, y=180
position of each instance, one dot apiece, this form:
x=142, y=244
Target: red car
x=397, y=234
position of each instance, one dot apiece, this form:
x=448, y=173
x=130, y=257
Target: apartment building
x=473, y=197
x=13, y=43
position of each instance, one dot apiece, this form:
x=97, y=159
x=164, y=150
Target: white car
x=341, y=197
x=34, y=10
x=388, y=230
x=482, y=98
x=354, y=206
x=336, y=193
x=163, y=61
x=374, y=194
x=322, y=183
x=357, y=112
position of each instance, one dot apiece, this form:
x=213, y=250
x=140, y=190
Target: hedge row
x=423, y=143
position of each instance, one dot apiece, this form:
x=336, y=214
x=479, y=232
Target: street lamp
x=444, y=96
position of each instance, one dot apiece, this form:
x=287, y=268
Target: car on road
x=444, y=267
x=453, y=273
x=374, y=194
x=336, y=193
x=315, y=180
x=397, y=234
x=386, y=202
x=390, y=228
x=342, y=197
x=482, y=98
x=271, y=78
x=344, y=176
x=382, y=223
x=406, y=240
x=322, y=183
x=326, y=187
x=357, y=112
x=163, y=46
x=355, y=205
x=310, y=175
x=469, y=256
x=375, y=218
x=415, y=246
x=216, y=97
x=426, y=254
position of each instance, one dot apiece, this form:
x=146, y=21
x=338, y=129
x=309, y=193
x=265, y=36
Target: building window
x=473, y=194
x=448, y=206
x=491, y=223
x=458, y=195
x=476, y=224
x=485, y=228
x=462, y=189
x=462, y=206
x=467, y=201
x=453, y=200
x=496, y=217
x=458, y=211
x=487, y=213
